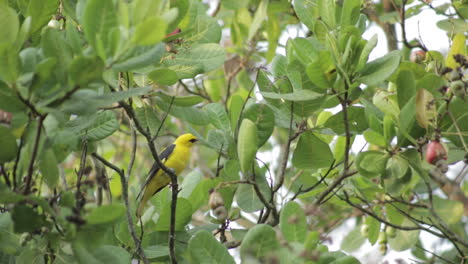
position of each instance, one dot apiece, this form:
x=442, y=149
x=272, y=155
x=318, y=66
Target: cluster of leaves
x=80, y=80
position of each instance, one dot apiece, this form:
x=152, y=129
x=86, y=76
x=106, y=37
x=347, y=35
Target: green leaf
x=353, y=240
x=163, y=76
x=95, y=127
x=404, y=239
x=458, y=47
x=41, y=12
x=380, y=69
x=452, y=25
x=350, y=13
x=247, y=144
x=259, y=17
x=105, y=214
x=148, y=118
x=140, y=57
x=264, y=119
x=204, y=248
x=84, y=70
x=86, y=101
x=293, y=222
x=99, y=18
x=156, y=251
x=375, y=138
x=8, y=143
x=406, y=87
x=150, y=31
x=48, y=167
x=258, y=242
x=319, y=70
x=305, y=11
x=189, y=62
x=297, y=95
x=183, y=215
x=374, y=229
x=112, y=254
x=311, y=153
x=397, y=167
x=9, y=24
x=371, y=163
x=370, y=45
x=218, y=116
x=235, y=107
x=189, y=100
x=449, y=210
x=26, y=219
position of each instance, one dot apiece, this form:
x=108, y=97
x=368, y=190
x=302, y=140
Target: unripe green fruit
x=382, y=238
x=365, y=230
x=390, y=232
x=383, y=249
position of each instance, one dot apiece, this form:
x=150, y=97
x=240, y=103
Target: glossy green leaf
x=183, y=215
x=156, y=251
x=247, y=144
x=8, y=143
x=204, y=248
x=305, y=11
x=293, y=222
x=298, y=95
x=311, y=153
x=148, y=118
x=140, y=57
x=449, y=210
x=150, y=31
x=99, y=18
x=48, y=167
x=404, y=239
x=370, y=45
x=350, y=13
x=264, y=119
x=371, y=163
x=94, y=127
x=375, y=138
x=189, y=100
x=453, y=25
x=259, y=241
x=9, y=23
x=105, y=214
x=406, y=87
x=259, y=17
x=112, y=254
x=380, y=69
x=41, y=12
x=187, y=63
x=374, y=229
x=84, y=70
x=353, y=240
x=163, y=76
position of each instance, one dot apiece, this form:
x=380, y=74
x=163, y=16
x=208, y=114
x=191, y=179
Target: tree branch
x=130, y=226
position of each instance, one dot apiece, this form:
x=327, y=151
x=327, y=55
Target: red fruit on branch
x=435, y=151
x=418, y=56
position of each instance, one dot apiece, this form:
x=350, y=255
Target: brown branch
x=78, y=195
x=300, y=191
x=34, y=155
x=194, y=93
x=131, y=114
x=130, y=226
x=5, y=175
x=286, y=150
x=402, y=13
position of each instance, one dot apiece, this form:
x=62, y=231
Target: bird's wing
x=163, y=156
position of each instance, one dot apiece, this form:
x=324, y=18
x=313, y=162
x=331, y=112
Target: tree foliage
x=296, y=140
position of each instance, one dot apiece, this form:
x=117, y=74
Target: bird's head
x=186, y=140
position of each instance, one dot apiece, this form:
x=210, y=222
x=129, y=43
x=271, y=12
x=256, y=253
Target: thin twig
x=130, y=226
x=34, y=155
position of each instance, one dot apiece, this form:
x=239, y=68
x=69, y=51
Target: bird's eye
x=193, y=140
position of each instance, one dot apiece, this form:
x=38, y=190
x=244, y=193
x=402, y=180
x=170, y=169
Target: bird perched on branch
x=175, y=157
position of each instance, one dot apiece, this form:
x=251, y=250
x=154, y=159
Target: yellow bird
x=176, y=157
